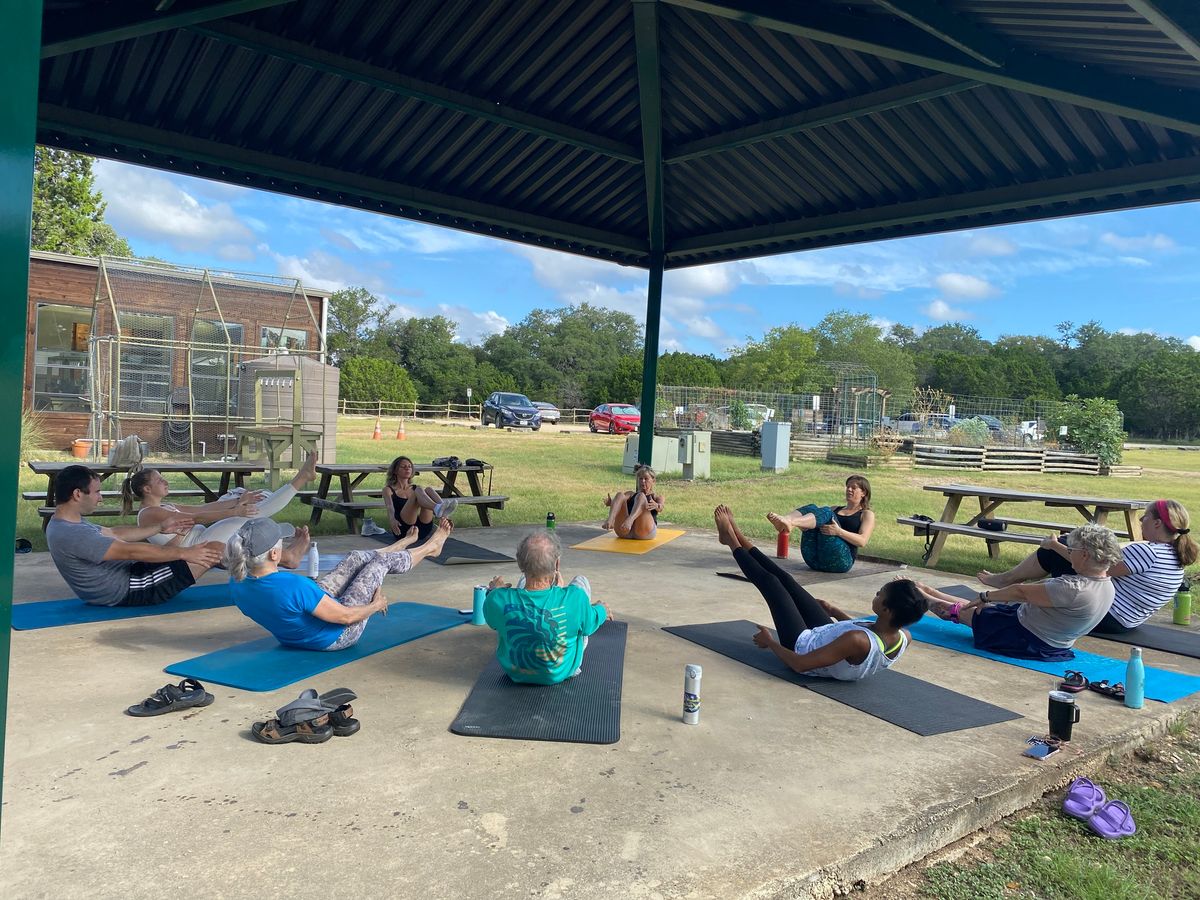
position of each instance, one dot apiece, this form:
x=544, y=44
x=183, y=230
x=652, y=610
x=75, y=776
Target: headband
x=1164, y=515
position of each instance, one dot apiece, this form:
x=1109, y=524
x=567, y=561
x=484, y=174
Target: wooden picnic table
x=234, y=472
x=350, y=476
x=272, y=441
x=991, y=499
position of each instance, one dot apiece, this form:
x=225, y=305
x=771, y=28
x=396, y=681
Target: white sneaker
x=369, y=528
x=446, y=508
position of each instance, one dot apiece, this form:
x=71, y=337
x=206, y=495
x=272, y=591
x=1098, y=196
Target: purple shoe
x=1083, y=799
x=1113, y=820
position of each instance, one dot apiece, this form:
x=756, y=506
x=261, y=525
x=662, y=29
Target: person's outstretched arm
x=835, y=613
x=329, y=610
x=853, y=645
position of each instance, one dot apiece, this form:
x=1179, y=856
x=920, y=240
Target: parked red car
x=615, y=418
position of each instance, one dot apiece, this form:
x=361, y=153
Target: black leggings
x=792, y=607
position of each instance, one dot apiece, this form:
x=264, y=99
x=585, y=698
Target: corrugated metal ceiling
x=783, y=126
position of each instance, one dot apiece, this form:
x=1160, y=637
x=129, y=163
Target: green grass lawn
x=569, y=473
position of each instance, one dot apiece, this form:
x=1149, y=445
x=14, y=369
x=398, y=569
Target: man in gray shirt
x=113, y=566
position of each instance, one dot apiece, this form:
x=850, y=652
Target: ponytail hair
x=237, y=558
x=133, y=486
x=1178, y=523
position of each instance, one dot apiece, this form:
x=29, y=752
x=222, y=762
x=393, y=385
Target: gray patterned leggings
x=354, y=582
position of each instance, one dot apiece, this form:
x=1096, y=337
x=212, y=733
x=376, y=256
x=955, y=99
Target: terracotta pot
x=81, y=448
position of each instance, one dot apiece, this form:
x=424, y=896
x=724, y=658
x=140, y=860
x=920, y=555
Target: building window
x=60, y=358
x=146, y=363
x=293, y=338
x=215, y=358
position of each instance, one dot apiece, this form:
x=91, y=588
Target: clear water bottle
x=313, y=560
x=1135, y=680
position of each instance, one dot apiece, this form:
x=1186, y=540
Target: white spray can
x=691, y=694
x=314, y=561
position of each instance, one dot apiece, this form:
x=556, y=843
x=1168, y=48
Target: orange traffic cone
x=378, y=435
x=400, y=431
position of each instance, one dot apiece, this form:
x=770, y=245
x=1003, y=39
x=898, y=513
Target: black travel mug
x=1063, y=714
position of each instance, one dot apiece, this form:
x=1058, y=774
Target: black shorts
x=154, y=583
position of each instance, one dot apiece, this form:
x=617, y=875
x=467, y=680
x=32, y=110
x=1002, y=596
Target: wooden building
x=168, y=309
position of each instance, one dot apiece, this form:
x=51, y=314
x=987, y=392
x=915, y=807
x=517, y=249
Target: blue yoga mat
x=265, y=665
x=1160, y=684
x=52, y=613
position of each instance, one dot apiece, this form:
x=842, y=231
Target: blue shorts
x=998, y=630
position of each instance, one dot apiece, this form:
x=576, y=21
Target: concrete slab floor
x=777, y=793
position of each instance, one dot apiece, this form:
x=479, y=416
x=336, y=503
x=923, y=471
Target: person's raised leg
x=335, y=582
x=625, y=527
x=1027, y=569
x=295, y=550
x=788, y=621
x=286, y=494
x=616, y=508
x=785, y=522
x=951, y=612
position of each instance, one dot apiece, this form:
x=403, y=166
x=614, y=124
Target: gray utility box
x=776, y=446
x=664, y=455
x=695, y=453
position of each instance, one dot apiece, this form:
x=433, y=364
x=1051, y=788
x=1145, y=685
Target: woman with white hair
x=330, y=613
x=1041, y=620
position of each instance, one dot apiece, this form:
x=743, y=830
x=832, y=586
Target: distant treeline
x=579, y=356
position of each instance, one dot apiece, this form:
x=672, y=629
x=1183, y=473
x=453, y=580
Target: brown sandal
x=343, y=721
x=317, y=731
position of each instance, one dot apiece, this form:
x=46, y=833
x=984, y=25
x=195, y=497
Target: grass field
x=568, y=473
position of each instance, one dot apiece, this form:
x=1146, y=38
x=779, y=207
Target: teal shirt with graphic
x=540, y=632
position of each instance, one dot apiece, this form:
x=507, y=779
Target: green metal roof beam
x=1030, y=74
x=128, y=21
x=107, y=132
x=933, y=18
x=436, y=95
x=1177, y=19
x=1150, y=177
x=840, y=111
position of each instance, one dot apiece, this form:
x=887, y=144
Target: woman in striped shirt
x=1145, y=579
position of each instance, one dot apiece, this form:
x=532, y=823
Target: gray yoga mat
x=1168, y=638
x=585, y=709
x=457, y=553
x=804, y=575
x=915, y=705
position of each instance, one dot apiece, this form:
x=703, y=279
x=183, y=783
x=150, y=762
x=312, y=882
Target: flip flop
x=187, y=694
x=1113, y=820
x=1083, y=799
x=1074, y=682
x=1116, y=691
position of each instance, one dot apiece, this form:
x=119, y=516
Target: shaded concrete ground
x=777, y=793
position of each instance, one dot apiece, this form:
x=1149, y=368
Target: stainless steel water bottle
x=691, y=694
x=313, y=561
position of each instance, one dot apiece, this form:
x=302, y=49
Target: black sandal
x=317, y=731
x=1116, y=691
x=188, y=694
x=1074, y=682
x=343, y=721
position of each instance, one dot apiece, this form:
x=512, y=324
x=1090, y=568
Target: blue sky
x=1131, y=271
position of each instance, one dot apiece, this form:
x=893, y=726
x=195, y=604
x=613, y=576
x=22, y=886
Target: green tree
x=68, y=212
x=953, y=337
x=1093, y=426
x=781, y=361
x=1161, y=397
x=441, y=368
x=355, y=316
x=688, y=370
x=624, y=383
x=853, y=338
x=368, y=380
x=488, y=379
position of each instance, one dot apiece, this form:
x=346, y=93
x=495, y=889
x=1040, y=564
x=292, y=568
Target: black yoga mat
x=915, y=705
x=1170, y=639
x=585, y=709
x=804, y=575
x=456, y=552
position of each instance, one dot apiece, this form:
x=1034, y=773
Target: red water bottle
x=781, y=545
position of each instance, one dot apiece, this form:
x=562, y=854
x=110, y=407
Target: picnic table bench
x=234, y=472
x=1091, y=509
x=348, y=499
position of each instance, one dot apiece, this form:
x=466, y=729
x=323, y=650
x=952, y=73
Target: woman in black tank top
x=832, y=536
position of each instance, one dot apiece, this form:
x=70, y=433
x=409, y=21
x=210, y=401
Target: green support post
x=650, y=358
x=20, y=48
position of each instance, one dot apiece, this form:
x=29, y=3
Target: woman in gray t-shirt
x=1041, y=620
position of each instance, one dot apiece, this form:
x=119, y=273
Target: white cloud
x=964, y=287
x=325, y=271
x=1158, y=242
x=990, y=245
x=942, y=311
x=473, y=327
x=145, y=203
x=1194, y=342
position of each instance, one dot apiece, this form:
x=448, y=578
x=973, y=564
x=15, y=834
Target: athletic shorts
x=154, y=583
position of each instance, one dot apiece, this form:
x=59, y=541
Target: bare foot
x=608, y=500
x=404, y=543
x=294, y=553
x=781, y=526
x=725, y=527
x=992, y=579
x=437, y=540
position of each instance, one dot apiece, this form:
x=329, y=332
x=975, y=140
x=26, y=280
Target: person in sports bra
x=220, y=520
x=634, y=514
x=832, y=536
x=410, y=507
x=815, y=637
